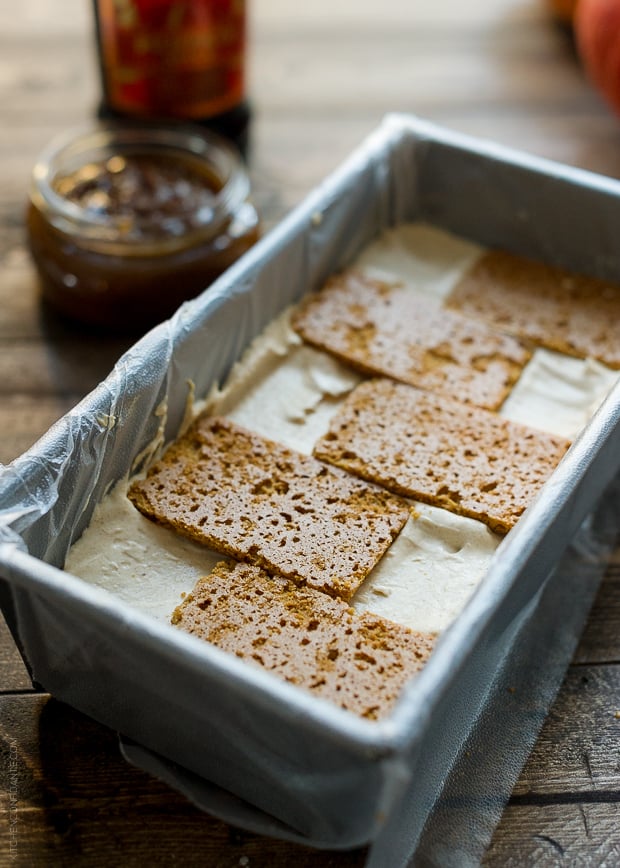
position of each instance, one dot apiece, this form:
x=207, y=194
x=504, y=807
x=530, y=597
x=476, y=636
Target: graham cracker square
x=441, y=452
x=551, y=307
x=258, y=501
x=387, y=329
x=359, y=662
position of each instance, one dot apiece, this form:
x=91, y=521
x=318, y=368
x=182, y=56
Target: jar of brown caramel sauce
x=125, y=223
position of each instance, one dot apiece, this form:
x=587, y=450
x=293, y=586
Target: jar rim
x=77, y=147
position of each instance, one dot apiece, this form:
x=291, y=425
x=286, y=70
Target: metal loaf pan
x=431, y=778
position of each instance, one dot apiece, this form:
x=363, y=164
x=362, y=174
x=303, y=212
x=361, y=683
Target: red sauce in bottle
x=174, y=59
x=125, y=223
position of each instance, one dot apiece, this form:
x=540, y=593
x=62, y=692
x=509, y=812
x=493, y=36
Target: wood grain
x=578, y=750
x=557, y=834
x=13, y=674
x=69, y=798
x=321, y=77
x=600, y=642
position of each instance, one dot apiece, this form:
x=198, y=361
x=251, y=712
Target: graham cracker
x=552, y=307
x=387, y=329
x=258, y=501
x=440, y=451
x=360, y=662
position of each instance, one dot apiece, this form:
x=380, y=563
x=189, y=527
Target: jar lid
x=139, y=186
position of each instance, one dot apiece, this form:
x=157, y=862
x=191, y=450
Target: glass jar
x=126, y=222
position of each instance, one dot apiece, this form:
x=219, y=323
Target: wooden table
x=322, y=75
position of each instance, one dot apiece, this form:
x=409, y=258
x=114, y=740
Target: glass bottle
x=174, y=60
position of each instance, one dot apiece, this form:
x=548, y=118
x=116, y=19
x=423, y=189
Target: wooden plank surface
x=77, y=802
x=321, y=77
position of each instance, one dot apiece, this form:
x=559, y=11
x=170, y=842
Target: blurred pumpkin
x=597, y=36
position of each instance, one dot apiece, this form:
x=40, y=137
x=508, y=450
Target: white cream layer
x=287, y=391
x=147, y=566
x=284, y=390
x=558, y=393
x=430, y=570
x=426, y=259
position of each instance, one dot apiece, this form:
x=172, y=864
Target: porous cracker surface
x=387, y=329
x=551, y=307
x=255, y=500
x=428, y=447
x=360, y=662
